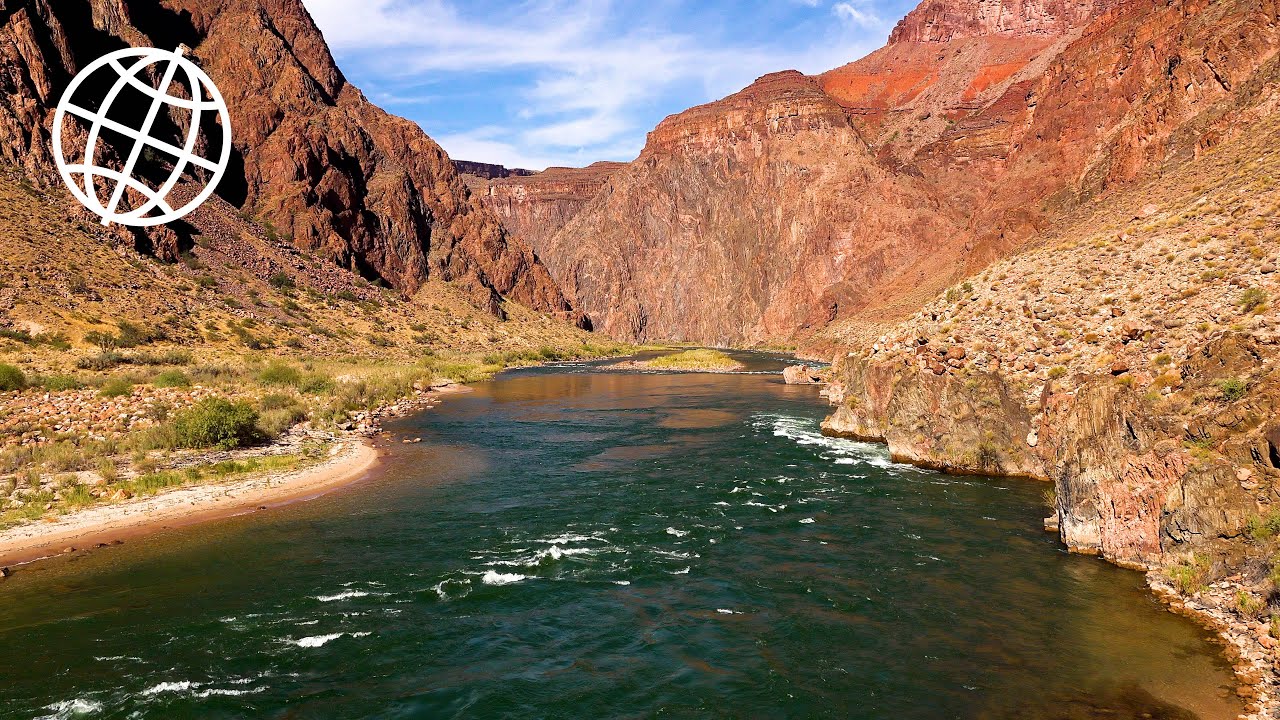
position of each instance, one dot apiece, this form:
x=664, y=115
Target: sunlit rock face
x=314, y=160
x=861, y=192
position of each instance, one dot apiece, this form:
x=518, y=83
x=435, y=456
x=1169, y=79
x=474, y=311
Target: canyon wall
x=533, y=206
x=314, y=161
x=1126, y=485
x=861, y=192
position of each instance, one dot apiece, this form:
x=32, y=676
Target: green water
x=571, y=543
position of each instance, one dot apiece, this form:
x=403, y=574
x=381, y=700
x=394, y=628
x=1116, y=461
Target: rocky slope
x=865, y=190
x=1130, y=359
x=314, y=161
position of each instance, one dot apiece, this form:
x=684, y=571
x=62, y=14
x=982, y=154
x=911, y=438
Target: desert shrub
x=1057, y=372
x=276, y=401
x=281, y=281
x=104, y=360
x=1263, y=527
x=1232, y=389
x=1252, y=299
x=168, y=357
x=55, y=383
x=278, y=373
x=1050, y=497
x=171, y=379
x=217, y=422
x=1248, y=605
x=115, y=387
x=987, y=457
x=1161, y=360
x=274, y=423
x=1189, y=575
x=11, y=378
x=107, y=470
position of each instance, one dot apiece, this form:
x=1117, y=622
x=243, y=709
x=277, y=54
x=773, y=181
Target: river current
x=572, y=542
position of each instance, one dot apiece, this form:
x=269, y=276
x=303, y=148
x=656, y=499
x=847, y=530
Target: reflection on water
x=570, y=543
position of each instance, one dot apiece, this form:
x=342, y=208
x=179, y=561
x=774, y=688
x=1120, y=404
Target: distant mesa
x=489, y=171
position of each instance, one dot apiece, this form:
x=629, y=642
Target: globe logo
x=128, y=115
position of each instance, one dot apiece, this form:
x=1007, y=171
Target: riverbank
x=351, y=457
x=347, y=462
x=1175, y=485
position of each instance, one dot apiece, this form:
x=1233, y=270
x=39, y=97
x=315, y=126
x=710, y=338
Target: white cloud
x=585, y=75
x=851, y=13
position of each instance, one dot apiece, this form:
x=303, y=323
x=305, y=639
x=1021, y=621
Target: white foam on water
x=344, y=595
x=681, y=572
x=677, y=533
x=66, y=709
x=493, y=577
x=166, y=687
x=806, y=521
x=724, y=611
x=568, y=538
x=315, y=641
x=722, y=503
x=621, y=582
x=228, y=692
x=839, y=451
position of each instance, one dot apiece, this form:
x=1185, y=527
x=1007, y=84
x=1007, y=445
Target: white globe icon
x=82, y=177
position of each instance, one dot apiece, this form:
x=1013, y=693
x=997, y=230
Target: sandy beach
x=349, y=461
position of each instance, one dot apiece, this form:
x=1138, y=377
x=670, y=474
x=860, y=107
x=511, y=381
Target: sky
x=567, y=82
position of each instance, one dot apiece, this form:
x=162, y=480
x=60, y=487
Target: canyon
x=877, y=184
x=1038, y=239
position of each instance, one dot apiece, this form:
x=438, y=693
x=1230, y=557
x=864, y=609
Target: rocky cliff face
x=533, y=206
x=1131, y=360
x=801, y=200
x=314, y=161
x=861, y=192
x=940, y=21
x=744, y=219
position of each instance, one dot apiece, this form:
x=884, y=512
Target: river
x=571, y=542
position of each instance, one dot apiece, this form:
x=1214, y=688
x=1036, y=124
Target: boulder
x=801, y=375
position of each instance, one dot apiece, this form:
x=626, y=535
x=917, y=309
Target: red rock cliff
x=533, y=206
x=862, y=191
x=314, y=158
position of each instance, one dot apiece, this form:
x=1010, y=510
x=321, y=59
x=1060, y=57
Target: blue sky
x=562, y=82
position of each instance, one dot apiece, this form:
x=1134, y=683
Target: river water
x=576, y=543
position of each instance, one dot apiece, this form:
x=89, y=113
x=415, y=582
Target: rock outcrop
x=534, y=206
x=314, y=160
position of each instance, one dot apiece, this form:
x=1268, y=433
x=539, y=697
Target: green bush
x=278, y=373
x=115, y=387
x=1263, y=528
x=55, y=383
x=1252, y=299
x=172, y=379
x=11, y=378
x=1233, y=389
x=281, y=281
x=277, y=422
x=217, y=422
x=1190, y=576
